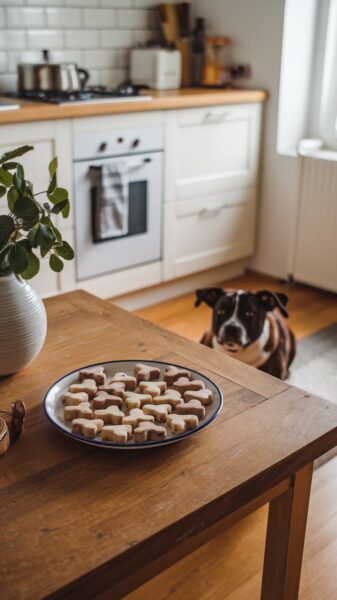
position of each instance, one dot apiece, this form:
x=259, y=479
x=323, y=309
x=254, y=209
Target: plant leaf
x=65, y=251
x=26, y=209
x=55, y=263
x=3, y=190
x=25, y=243
x=12, y=196
x=19, y=179
x=32, y=237
x=10, y=165
x=18, y=258
x=45, y=237
x=53, y=167
x=57, y=233
x=7, y=226
x=66, y=210
x=33, y=266
x=52, y=185
x=57, y=208
x=15, y=153
x=6, y=178
x=58, y=195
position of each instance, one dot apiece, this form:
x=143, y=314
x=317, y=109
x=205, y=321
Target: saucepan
x=51, y=77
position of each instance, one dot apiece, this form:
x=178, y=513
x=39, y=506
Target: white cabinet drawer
x=203, y=233
x=212, y=150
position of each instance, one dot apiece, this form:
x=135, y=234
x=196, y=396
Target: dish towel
x=111, y=200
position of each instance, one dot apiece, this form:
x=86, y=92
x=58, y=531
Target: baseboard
x=178, y=287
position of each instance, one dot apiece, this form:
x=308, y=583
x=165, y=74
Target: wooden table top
x=73, y=515
x=161, y=100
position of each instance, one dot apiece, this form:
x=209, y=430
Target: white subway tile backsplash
x=25, y=17
x=82, y=39
x=46, y=38
x=8, y=83
x=104, y=17
x=95, y=34
x=12, y=39
x=65, y=18
x=116, y=38
x=100, y=59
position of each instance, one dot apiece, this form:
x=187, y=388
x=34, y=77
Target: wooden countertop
x=165, y=100
x=77, y=521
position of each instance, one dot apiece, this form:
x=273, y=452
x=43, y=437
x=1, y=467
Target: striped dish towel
x=111, y=200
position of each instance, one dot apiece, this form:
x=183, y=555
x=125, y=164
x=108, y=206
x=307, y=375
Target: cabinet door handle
x=210, y=211
x=215, y=117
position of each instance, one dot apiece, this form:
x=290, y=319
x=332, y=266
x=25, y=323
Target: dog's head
x=239, y=316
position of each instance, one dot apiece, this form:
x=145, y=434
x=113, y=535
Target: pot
x=23, y=324
x=51, y=77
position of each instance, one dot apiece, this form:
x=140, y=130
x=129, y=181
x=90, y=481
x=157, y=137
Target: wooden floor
x=229, y=567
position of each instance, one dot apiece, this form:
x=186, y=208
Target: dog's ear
x=271, y=300
x=209, y=296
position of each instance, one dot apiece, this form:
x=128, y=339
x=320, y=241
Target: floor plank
x=229, y=567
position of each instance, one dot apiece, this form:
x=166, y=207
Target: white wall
x=255, y=27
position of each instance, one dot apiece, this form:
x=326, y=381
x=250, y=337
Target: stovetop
x=91, y=95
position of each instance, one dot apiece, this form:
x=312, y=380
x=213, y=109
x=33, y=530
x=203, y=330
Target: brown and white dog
x=250, y=327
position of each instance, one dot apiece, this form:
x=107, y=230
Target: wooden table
x=82, y=522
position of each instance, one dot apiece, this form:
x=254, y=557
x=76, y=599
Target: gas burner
x=94, y=94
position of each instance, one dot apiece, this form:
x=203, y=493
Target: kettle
x=51, y=77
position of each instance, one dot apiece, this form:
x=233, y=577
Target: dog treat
x=149, y=431
x=146, y=373
x=181, y=423
x=159, y=412
x=74, y=399
x=153, y=388
x=170, y=397
x=120, y=434
x=205, y=396
x=95, y=373
x=103, y=400
x=193, y=407
x=130, y=382
x=87, y=385
x=114, y=389
x=173, y=373
x=82, y=410
x=135, y=400
x=4, y=437
x=183, y=384
x=111, y=415
x=87, y=427
x=135, y=417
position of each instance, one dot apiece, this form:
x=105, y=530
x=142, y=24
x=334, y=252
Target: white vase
x=23, y=324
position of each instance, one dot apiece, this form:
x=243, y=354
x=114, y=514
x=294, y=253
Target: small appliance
x=158, y=68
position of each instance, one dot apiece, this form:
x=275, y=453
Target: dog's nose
x=233, y=332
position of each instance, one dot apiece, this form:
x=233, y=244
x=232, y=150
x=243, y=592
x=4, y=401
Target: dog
x=250, y=327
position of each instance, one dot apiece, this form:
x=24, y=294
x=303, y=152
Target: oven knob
x=103, y=146
x=120, y=140
x=135, y=143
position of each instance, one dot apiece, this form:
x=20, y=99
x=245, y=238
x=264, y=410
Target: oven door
x=140, y=242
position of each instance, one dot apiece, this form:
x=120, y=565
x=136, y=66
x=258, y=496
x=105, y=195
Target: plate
x=53, y=404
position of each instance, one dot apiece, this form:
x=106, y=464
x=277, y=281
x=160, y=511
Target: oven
x=138, y=153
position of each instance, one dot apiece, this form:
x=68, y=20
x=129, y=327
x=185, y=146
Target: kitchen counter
x=162, y=100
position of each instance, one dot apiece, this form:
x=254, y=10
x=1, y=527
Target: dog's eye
x=249, y=313
x=220, y=311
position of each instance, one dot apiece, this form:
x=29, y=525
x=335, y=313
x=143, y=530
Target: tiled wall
x=96, y=34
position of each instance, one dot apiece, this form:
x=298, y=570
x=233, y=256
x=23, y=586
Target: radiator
x=315, y=255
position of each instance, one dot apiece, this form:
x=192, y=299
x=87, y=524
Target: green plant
x=28, y=227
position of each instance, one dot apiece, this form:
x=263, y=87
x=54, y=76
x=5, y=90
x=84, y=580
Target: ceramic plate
x=53, y=404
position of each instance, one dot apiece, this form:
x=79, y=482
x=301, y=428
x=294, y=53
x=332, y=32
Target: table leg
x=285, y=539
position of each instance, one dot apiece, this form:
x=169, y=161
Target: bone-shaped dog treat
x=149, y=431
x=120, y=434
x=153, y=388
x=86, y=427
x=87, y=385
x=134, y=400
x=95, y=373
x=183, y=384
x=114, y=389
x=130, y=382
x=159, y=412
x=193, y=407
x=111, y=415
x=74, y=399
x=137, y=416
x=180, y=423
x=146, y=373
x=82, y=410
x=103, y=400
x=204, y=396
x=173, y=373
x=170, y=397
